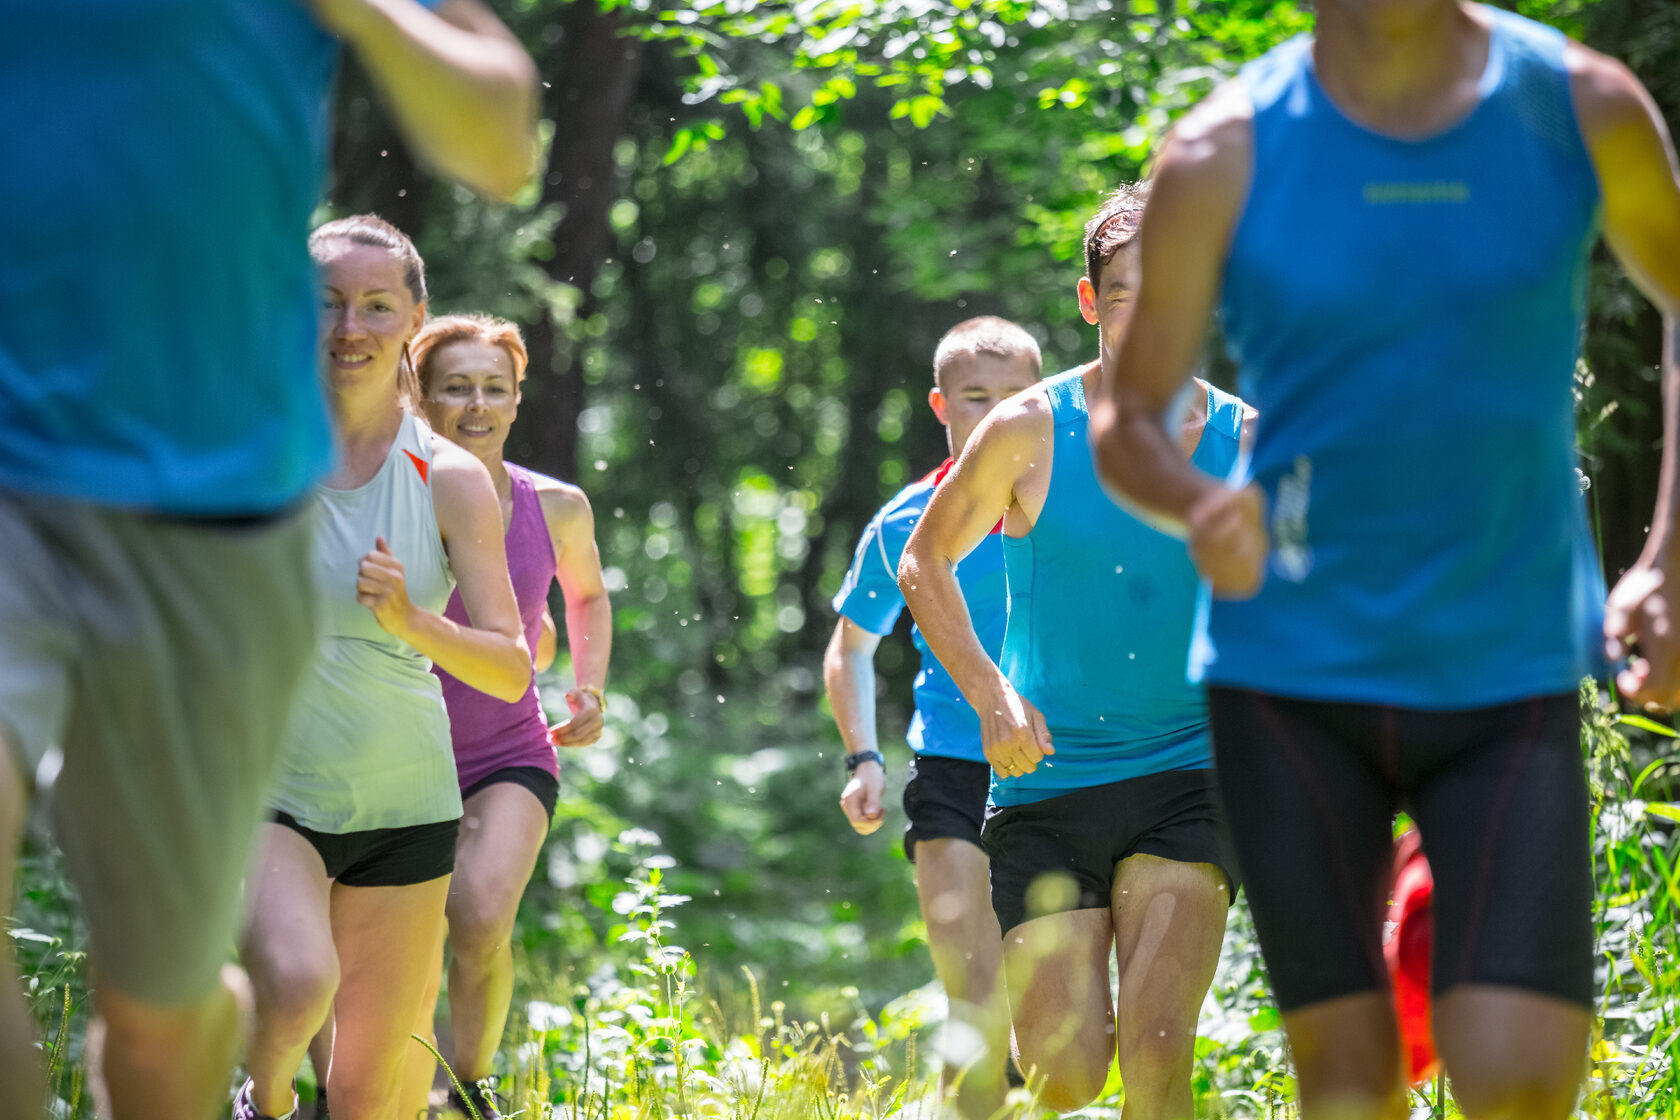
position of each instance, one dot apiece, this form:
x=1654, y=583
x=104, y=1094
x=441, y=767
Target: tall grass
x=642, y=1032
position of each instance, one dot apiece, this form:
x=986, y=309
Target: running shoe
x=482, y=1096
x=244, y=1108
x=1407, y=944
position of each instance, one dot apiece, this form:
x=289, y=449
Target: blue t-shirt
x=157, y=303
x=944, y=724
x=1406, y=316
x=1101, y=608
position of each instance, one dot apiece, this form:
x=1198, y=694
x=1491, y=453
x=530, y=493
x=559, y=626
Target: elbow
x=509, y=158
x=514, y=672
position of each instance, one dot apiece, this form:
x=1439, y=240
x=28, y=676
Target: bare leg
x=320, y=1057
x=1169, y=921
x=1347, y=1058
x=1512, y=1054
x=503, y=827
x=22, y=1084
x=288, y=949
x=168, y=1061
x=1056, y=971
x=953, y=883
x=387, y=938
x=420, y=1069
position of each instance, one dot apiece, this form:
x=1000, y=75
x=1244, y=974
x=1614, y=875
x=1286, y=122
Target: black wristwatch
x=853, y=761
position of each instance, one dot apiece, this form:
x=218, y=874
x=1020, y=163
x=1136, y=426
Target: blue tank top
x=943, y=724
x=1101, y=608
x=1406, y=316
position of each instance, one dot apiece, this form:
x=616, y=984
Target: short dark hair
x=985, y=334
x=1113, y=226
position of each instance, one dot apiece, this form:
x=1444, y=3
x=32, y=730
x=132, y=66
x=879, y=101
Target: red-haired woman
x=470, y=368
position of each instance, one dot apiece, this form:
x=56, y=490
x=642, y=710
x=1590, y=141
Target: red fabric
x=419, y=464
x=1406, y=949
x=937, y=475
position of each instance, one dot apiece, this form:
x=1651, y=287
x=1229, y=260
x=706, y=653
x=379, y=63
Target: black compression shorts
x=1500, y=800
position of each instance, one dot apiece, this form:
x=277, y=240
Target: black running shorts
x=1085, y=834
x=944, y=799
x=383, y=857
x=545, y=787
x=1500, y=800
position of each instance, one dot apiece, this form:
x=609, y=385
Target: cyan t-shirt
x=944, y=724
x=157, y=302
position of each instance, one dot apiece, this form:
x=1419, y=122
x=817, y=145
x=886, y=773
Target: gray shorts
x=158, y=660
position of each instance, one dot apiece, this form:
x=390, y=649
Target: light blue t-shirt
x=1101, y=608
x=1406, y=316
x=944, y=724
x=157, y=303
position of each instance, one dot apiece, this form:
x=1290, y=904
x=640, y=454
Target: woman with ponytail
x=347, y=898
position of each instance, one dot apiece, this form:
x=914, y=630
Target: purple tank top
x=488, y=734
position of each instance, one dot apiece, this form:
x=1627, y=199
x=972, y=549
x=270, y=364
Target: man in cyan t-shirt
x=160, y=425
x=977, y=365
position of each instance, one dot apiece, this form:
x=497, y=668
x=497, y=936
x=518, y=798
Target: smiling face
x=972, y=384
x=367, y=314
x=472, y=394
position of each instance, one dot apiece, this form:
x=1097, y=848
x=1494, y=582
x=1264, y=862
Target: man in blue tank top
x=977, y=364
x=161, y=421
x=1394, y=219
x=1104, y=833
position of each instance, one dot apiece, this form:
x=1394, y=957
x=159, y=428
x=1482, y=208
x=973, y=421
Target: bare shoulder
x=1607, y=95
x=1215, y=138
x=1021, y=420
x=563, y=504
x=457, y=470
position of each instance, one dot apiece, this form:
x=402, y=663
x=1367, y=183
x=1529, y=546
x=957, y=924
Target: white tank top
x=368, y=743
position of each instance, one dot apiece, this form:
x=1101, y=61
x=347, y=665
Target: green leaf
x=1650, y=725
x=1667, y=810
x=680, y=144
x=805, y=118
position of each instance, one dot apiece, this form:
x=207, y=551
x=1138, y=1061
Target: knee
x=1517, y=1091
x=1068, y=1087
x=1156, y=1055
x=479, y=929
x=358, y=1096
x=294, y=991
x=141, y=1035
x=1069, y=1075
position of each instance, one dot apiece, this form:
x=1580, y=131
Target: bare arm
x=460, y=85
x=548, y=643
x=979, y=490
x=491, y=654
x=1640, y=181
x=849, y=678
x=1201, y=182
x=577, y=566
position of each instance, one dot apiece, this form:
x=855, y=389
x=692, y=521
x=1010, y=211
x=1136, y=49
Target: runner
x=159, y=426
x=1104, y=832
x=347, y=897
x=977, y=364
x=470, y=370
x=1395, y=217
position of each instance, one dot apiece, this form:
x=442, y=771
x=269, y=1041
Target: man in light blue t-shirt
x=161, y=422
x=977, y=364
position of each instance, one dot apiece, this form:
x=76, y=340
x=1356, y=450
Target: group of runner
x=1367, y=587
x=1392, y=217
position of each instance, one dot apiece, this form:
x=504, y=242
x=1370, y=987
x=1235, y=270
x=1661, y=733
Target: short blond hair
x=985, y=334
x=488, y=329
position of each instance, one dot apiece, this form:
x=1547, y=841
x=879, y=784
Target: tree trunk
x=592, y=75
